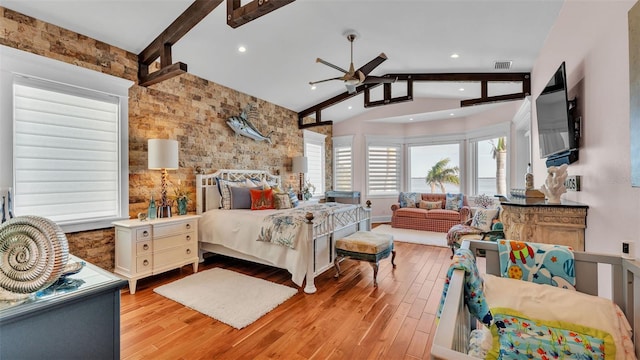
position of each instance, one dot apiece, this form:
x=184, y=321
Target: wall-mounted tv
x=556, y=124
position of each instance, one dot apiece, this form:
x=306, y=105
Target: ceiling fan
x=352, y=77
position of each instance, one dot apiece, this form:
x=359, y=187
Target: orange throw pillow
x=261, y=199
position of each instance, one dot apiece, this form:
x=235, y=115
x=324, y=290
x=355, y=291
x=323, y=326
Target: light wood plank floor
x=346, y=319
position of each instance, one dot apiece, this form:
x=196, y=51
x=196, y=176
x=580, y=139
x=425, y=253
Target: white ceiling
x=416, y=35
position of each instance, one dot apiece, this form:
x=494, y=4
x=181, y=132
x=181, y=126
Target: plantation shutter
x=315, y=164
x=383, y=162
x=66, y=158
x=343, y=168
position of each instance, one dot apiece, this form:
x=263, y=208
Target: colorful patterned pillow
x=293, y=197
x=430, y=205
x=453, y=202
x=483, y=218
x=261, y=199
x=240, y=197
x=282, y=201
x=409, y=199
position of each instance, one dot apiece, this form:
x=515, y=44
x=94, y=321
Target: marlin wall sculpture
x=242, y=126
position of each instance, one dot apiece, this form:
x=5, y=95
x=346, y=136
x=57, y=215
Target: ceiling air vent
x=502, y=65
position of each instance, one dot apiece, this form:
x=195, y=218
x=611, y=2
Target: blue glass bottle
x=152, y=209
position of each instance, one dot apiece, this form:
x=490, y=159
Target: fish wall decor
x=242, y=126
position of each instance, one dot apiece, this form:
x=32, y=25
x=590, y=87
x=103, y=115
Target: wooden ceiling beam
x=161, y=46
x=483, y=78
x=238, y=15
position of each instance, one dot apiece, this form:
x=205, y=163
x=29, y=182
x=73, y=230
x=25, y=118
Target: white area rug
x=232, y=298
x=414, y=236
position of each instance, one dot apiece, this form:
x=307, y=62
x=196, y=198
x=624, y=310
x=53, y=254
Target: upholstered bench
x=365, y=246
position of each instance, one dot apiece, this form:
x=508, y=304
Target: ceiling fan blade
x=321, y=81
x=378, y=80
x=331, y=65
x=368, y=67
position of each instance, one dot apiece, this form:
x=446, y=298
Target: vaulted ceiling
x=282, y=46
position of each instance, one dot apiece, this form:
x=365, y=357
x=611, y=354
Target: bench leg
x=336, y=264
x=374, y=265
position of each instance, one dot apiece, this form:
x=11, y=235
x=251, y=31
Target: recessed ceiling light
x=242, y=49
x=461, y=89
x=313, y=87
x=455, y=56
x=350, y=107
x=451, y=114
x=410, y=119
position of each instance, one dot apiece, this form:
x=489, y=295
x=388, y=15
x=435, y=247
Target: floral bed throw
x=283, y=227
x=473, y=293
x=538, y=263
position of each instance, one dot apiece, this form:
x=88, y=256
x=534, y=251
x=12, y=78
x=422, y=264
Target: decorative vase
x=182, y=206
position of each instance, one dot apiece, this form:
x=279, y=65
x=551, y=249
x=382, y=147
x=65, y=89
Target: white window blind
x=315, y=165
x=66, y=158
x=383, y=164
x=343, y=168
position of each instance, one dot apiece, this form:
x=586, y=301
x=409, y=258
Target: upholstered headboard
x=207, y=195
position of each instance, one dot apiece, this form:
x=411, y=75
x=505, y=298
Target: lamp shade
x=163, y=154
x=299, y=164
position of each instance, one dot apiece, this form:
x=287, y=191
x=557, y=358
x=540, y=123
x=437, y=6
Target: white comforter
x=238, y=230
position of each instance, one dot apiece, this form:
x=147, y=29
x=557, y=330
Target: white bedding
x=238, y=230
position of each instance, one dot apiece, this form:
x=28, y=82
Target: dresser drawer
x=143, y=233
x=144, y=247
x=144, y=264
x=173, y=241
x=174, y=228
x=172, y=257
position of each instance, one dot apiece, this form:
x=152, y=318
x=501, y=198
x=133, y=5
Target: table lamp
x=300, y=167
x=163, y=155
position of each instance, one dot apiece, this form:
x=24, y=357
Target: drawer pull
x=145, y=233
x=145, y=263
x=145, y=247
x=188, y=226
x=188, y=251
x=188, y=237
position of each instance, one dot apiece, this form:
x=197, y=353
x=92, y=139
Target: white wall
x=592, y=38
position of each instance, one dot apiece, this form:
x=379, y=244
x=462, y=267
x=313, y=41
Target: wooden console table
x=535, y=220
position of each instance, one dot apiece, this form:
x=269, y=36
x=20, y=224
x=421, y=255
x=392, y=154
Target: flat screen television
x=556, y=125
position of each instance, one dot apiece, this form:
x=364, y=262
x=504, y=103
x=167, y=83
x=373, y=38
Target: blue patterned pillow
x=453, y=202
x=409, y=199
x=294, y=198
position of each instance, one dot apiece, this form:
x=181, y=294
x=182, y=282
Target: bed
x=233, y=232
x=454, y=334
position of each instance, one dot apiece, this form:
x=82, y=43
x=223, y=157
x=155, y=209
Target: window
x=439, y=162
x=314, y=150
x=343, y=163
x=484, y=181
x=65, y=152
x=383, y=168
x=67, y=143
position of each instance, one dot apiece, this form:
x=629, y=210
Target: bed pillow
x=453, y=202
x=240, y=197
x=409, y=199
x=430, y=205
x=483, y=218
x=293, y=197
x=225, y=193
x=261, y=199
x=282, y=201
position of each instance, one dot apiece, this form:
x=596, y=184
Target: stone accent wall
x=186, y=108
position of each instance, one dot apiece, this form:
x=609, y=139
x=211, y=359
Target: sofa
x=421, y=211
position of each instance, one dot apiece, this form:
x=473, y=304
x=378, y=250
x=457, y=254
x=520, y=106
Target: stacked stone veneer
x=186, y=108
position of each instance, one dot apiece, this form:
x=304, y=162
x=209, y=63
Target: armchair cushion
x=483, y=218
x=443, y=215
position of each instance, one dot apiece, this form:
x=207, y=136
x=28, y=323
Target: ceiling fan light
x=352, y=81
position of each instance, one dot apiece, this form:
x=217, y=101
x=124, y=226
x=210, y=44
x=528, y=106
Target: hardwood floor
x=346, y=319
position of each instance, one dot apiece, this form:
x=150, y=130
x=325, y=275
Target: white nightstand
x=145, y=248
